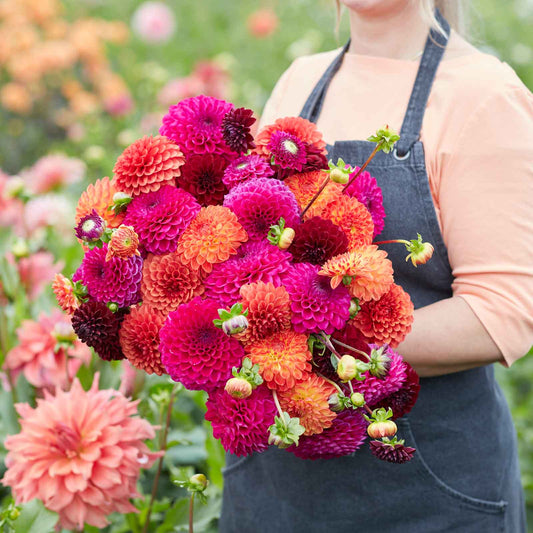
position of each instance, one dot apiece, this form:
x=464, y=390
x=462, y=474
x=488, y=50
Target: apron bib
x=464, y=476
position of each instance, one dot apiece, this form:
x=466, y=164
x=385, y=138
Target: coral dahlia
x=80, y=453
x=241, y=424
x=387, y=320
x=64, y=293
x=283, y=358
x=124, y=243
x=99, y=196
x=245, y=168
x=194, y=351
x=148, y=164
x=212, y=237
x=308, y=400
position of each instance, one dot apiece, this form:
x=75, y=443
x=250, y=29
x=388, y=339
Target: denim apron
x=464, y=476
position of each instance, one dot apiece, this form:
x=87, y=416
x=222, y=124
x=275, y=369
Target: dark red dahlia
x=318, y=240
x=202, y=176
x=98, y=327
x=391, y=452
x=236, y=129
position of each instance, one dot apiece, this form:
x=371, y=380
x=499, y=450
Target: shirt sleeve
x=486, y=203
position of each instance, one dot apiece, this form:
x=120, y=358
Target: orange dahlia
x=308, y=400
x=64, y=291
x=124, y=243
x=167, y=282
x=304, y=186
x=148, y=164
x=269, y=310
x=387, y=320
x=99, y=196
x=139, y=338
x=353, y=218
x=212, y=237
x=369, y=268
x=283, y=358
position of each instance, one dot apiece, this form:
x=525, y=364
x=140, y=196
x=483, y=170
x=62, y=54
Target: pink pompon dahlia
x=160, y=217
x=148, y=164
x=260, y=203
x=195, y=124
x=194, y=351
x=241, y=424
x=318, y=240
x=245, y=168
x=315, y=305
x=287, y=151
x=139, y=338
x=387, y=320
x=47, y=352
x=80, y=453
x=114, y=280
x=98, y=327
x=366, y=189
x=167, y=282
x=345, y=435
x=254, y=262
x=236, y=129
x=202, y=177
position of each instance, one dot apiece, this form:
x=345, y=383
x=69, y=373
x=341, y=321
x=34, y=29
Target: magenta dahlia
x=366, y=189
x=90, y=227
x=260, y=203
x=254, y=262
x=242, y=424
x=318, y=240
x=346, y=434
x=195, y=124
x=194, y=351
x=315, y=305
x=160, y=217
x=202, y=176
x=98, y=327
x=245, y=168
x=287, y=151
x=115, y=280
x=236, y=129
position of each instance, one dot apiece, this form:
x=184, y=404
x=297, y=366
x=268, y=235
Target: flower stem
x=365, y=164
x=369, y=411
x=330, y=381
x=348, y=347
x=401, y=241
x=330, y=346
x=312, y=201
x=191, y=513
x=276, y=401
x=162, y=446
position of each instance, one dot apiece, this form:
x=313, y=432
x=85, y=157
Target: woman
x=461, y=176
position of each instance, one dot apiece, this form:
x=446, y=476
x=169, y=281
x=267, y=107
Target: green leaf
x=35, y=518
x=334, y=362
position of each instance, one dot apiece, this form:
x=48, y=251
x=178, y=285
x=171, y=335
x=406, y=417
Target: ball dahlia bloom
x=245, y=168
x=64, y=292
x=39, y=357
x=80, y=453
x=148, y=164
x=387, y=320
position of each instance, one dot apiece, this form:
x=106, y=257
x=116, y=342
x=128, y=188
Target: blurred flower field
x=80, y=81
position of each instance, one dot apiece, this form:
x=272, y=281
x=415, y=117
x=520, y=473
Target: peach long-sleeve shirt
x=478, y=140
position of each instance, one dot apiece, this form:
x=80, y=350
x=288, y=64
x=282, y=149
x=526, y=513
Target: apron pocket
x=234, y=463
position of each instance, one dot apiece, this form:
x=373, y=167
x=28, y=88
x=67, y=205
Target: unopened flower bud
x=419, y=252
x=347, y=368
x=276, y=440
x=338, y=176
x=238, y=388
x=124, y=243
x=112, y=306
x=335, y=404
x=235, y=324
x=20, y=249
x=14, y=187
x=198, y=482
x=14, y=513
x=378, y=430
x=354, y=307
x=357, y=399
x=379, y=363
x=286, y=238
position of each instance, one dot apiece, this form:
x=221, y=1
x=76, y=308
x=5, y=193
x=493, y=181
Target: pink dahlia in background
x=194, y=351
x=48, y=211
x=254, y=262
x=315, y=305
x=195, y=124
x=154, y=22
x=245, y=168
x=262, y=23
x=48, y=350
x=36, y=271
x=11, y=207
x=160, y=217
x=260, y=203
x=80, y=453
x=202, y=176
x=53, y=172
x=345, y=435
x=241, y=424
x=111, y=280
x=147, y=165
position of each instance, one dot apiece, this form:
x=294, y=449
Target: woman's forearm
x=448, y=337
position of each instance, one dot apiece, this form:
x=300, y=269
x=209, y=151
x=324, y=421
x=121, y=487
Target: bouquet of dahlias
x=245, y=268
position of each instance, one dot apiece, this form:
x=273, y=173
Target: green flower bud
x=347, y=368
x=357, y=399
x=198, y=482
